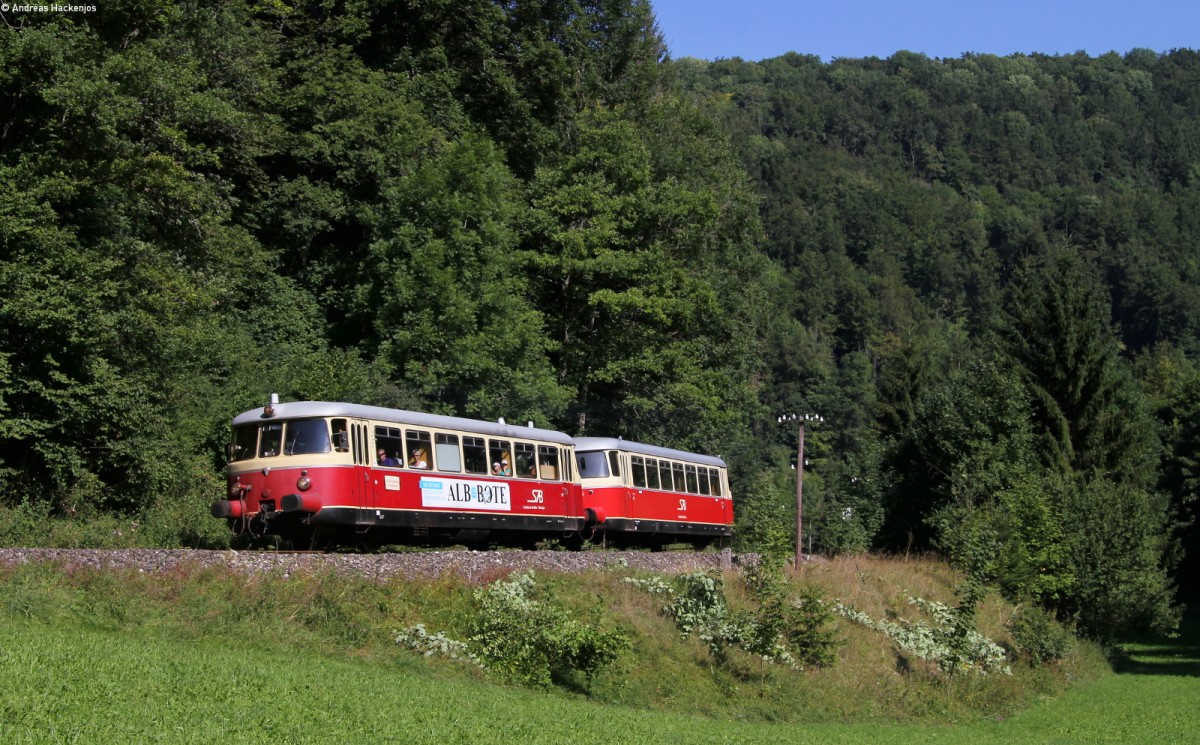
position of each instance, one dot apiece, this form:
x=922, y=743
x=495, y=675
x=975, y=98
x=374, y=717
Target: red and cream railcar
x=636, y=489
x=296, y=467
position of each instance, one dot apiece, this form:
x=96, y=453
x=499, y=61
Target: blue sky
x=759, y=29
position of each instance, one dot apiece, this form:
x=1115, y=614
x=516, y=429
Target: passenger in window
x=496, y=469
x=384, y=460
x=341, y=442
x=418, y=459
x=504, y=469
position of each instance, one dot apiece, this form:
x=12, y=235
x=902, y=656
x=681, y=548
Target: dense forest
x=982, y=272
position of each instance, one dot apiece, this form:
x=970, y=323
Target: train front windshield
x=293, y=437
x=592, y=465
x=245, y=442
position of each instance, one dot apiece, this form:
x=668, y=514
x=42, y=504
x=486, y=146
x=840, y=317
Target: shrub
x=796, y=630
x=25, y=524
x=782, y=630
x=533, y=642
x=698, y=607
x=522, y=639
x=809, y=628
x=1037, y=637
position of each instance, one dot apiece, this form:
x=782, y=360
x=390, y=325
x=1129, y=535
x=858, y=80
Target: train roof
x=586, y=444
x=309, y=409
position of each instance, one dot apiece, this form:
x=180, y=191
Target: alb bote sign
x=464, y=495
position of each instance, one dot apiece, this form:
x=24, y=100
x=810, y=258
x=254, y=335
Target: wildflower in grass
x=418, y=639
x=936, y=642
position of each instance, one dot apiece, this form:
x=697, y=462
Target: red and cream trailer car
x=298, y=467
x=634, y=489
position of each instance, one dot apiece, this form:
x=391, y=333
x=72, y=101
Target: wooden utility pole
x=801, y=420
x=800, y=499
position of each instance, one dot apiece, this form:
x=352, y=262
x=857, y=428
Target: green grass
x=64, y=684
x=209, y=657
x=1155, y=697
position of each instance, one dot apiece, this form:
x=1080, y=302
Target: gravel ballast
x=473, y=566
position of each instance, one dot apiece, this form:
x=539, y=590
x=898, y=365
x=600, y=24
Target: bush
x=522, y=639
x=183, y=521
x=810, y=629
x=35, y=524
x=698, y=607
x=533, y=642
x=797, y=630
x=26, y=524
x=1037, y=637
x=782, y=630
x=1121, y=584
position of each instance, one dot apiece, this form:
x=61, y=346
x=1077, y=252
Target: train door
x=618, y=464
x=570, y=492
x=640, y=499
x=718, y=489
x=726, y=498
x=364, y=491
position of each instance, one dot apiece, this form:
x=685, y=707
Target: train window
x=446, y=453
x=389, y=446
x=677, y=472
x=417, y=444
x=526, y=463
x=341, y=436
x=714, y=482
x=547, y=463
x=272, y=437
x=303, y=436
x=651, y=473
x=245, y=438
x=592, y=465
x=475, y=454
x=566, y=461
x=703, y=474
x=638, y=467
x=692, y=487
x=500, y=453
x=664, y=473
x=614, y=462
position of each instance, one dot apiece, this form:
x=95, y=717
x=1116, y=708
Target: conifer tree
x=1089, y=414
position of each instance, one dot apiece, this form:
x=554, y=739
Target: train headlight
x=236, y=489
x=304, y=483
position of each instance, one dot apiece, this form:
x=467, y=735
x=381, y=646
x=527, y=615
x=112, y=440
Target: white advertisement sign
x=465, y=495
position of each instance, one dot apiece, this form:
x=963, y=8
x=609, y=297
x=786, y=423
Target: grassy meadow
x=204, y=656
